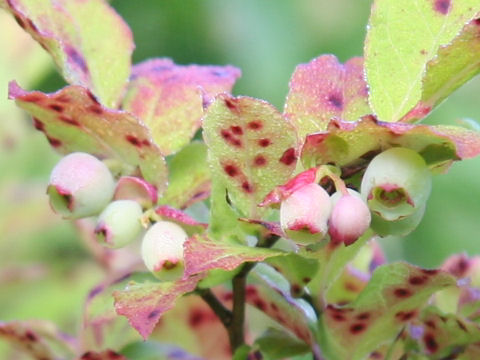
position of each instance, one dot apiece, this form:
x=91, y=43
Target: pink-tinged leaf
x=144, y=304
x=72, y=120
x=273, y=228
x=351, y=145
x=87, y=39
x=267, y=297
x=137, y=189
x=203, y=254
x=282, y=192
x=102, y=355
x=39, y=339
x=454, y=64
x=169, y=98
x=252, y=148
x=391, y=299
x=189, y=224
x=324, y=89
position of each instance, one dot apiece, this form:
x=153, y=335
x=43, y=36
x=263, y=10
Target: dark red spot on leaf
x=32, y=26
x=38, y=124
x=306, y=280
x=30, y=336
x=259, y=160
x=237, y=130
x=196, y=317
x=260, y=304
x=75, y=57
x=231, y=170
x=145, y=142
x=295, y=289
x=96, y=109
x=402, y=293
x=226, y=134
x=264, y=142
x=442, y=6
x=462, y=325
x=430, y=272
x=350, y=286
x=32, y=98
x=56, y=107
x=19, y=21
x=250, y=291
x=363, y=316
x=255, y=125
x=338, y=317
x=405, y=315
x=92, y=97
x=417, y=280
x=54, y=142
x=232, y=105
x=68, y=120
x=336, y=100
x=247, y=187
x=357, y=328
x=430, y=324
x=153, y=314
x=133, y=140
x=430, y=342
x=274, y=306
x=63, y=99
x=288, y=157
x=376, y=355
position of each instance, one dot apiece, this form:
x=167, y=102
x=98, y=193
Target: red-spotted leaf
x=189, y=224
x=203, y=254
x=72, y=120
x=87, y=39
x=389, y=301
x=189, y=177
x=39, y=339
x=102, y=355
x=402, y=39
x=281, y=192
x=268, y=297
x=168, y=98
x=144, y=303
x=324, y=89
x=351, y=145
x=455, y=64
x=252, y=148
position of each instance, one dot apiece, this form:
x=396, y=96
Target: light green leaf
x=277, y=344
x=189, y=177
x=252, y=148
x=88, y=40
x=403, y=36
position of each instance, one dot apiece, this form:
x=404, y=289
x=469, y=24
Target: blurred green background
x=46, y=270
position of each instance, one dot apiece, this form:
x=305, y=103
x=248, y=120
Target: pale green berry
x=162, y=250
x=119, y=223
x=396, y=184
x=304, y=214
x=400, y=227
x=350, y=217
x=80, y=186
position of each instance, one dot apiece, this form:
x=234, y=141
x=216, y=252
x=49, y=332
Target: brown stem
x=221, y=311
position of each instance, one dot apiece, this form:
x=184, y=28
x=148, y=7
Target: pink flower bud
x=304, y=214
x=350, y=218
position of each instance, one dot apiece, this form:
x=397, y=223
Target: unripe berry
x=162, y=250
x=396, y=184
x=350, y=217
x=400, y=227
x=304, y=214
x=80, y=186
x=119, y=223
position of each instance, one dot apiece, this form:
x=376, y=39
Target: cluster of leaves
x=334, y=301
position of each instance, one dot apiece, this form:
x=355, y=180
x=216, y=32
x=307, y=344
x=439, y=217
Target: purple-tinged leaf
x=102, y=355
x=267, y=297
x=455, y=64
x=87, y=39
x=351, y=145
x=203, y=254
x=389, y=301
x=137, y=189
x=169, y=98
x=144, y=304
x=189, y=178
x=324, y=89
x=281, y=192
x=39, y=339
x=73, y=120
x=189, y=224
x=252, y=148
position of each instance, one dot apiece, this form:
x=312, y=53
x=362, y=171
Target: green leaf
x=203, y=254
x=153, y=350
x=391, y=299
x=402, y=38
x=297, y=269
x=72, y=120
x=87, y=39
x=144, y=303
x=168, y=98
x=277, y=344
x=189, y=177
x=252, y=148
x=324, y=89
x=438, y=145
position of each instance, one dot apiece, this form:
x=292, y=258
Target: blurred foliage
x=46, y=271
